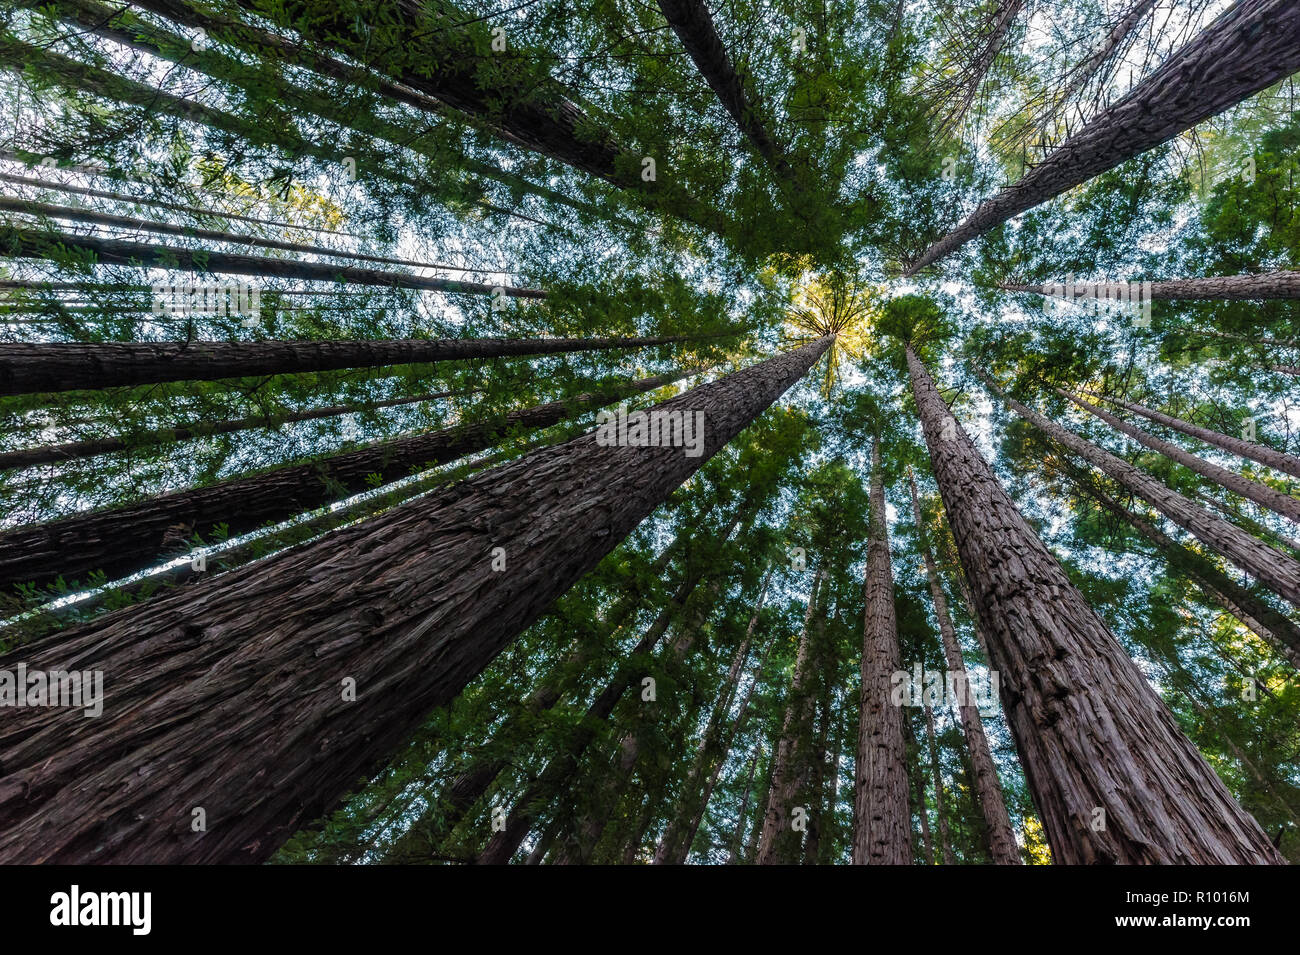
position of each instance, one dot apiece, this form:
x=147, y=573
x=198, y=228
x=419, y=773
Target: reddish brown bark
x=227, y=696
x=1112, y=775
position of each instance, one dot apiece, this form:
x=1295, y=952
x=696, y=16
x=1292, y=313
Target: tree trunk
x=940, y=813
x=234, y=683
x=976, y=73
x=675, y=844
x=77, y=450
x=916, y=781
x=744, y=809
x=122, y=540
x=38, y=367
x=27, y=242
x=1261, y=494
x=882, y=825
x=780, y=843
x=1113, y=777
x=1085, y=71
x=1279, y=572
x=1253, y=45
x=1262, y=287
x=1278, y=460
x=988, y=791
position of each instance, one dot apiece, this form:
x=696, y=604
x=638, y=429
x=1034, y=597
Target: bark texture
x=1253, y=45
x=882, y=822
x=228, y=696
x=1113, y=777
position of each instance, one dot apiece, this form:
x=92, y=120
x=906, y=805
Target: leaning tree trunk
x=988, y=791
x=1082, y=74
x=1249, y=48
x=1261, y=494
x=246, y=678
x=1278, y=460
x=77, y=450
x=940, y=813
x=739, y=835
x=780, y=843
x=975, y=74
x=32, y=367
x=1279, y=572
x=1113, y=776
x=882, y=823
x=122, y=540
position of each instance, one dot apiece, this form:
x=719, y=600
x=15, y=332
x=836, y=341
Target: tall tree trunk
x=1252, y=490
x=1279, y=572
x=1113, y=777
x=882, y=822
x=1270, y=625
x=675, y=843
x=1260, y=287
x=780, y=842
x=77, y=450
x=693, y=24
x=1082, y=74
x=978, y=70
x=739, y=834
x=1253, y=45
x=408, y=605
x=28, y=242
x=940, y=811
x=38, y=367
x=988, y=791
x=916, y=780
x=122, y=540
x=1278, y=460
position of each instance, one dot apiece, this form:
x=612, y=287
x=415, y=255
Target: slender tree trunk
x=988, y=791
x=1253, y=45
x=77, y=450
x=1270, y=625
x=1113, y=777
x=122, y=540
x=940, y=812
x=1279, y=572
x=1252, y=490
x=988, y=54
x=780, y=842
x=1082, y=74
x=675, y=844
x=27, y=242
x=246, y=678
x=916, y=782
x=739, y=834
x=1261, y=287
x=38, y=367
x=882, y=823
x=1278, y=460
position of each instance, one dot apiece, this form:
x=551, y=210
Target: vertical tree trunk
x=739, y=834
x=408, y=605
x=1002, y=839
x=1279, y=572
x=1113, y=777
x=940, y=811
x=916, y=780
x=780, y=842
x=882, y=823
x=1250, y=47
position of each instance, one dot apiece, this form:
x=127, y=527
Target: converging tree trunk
x=881, y=819
x=1112, y=775
x=262, y=696
x=1250, y=47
